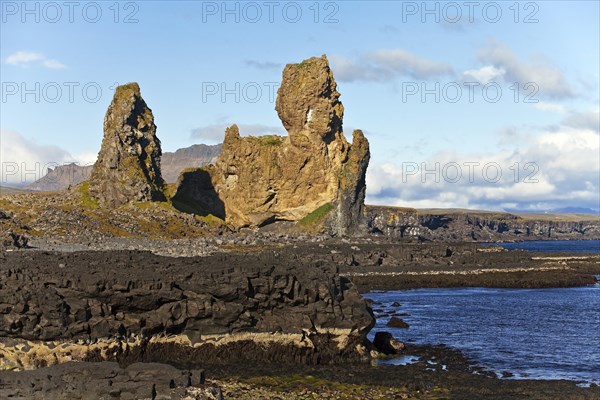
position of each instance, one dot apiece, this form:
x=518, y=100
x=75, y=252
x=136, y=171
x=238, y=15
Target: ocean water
x=530, y=333
x=578, y=246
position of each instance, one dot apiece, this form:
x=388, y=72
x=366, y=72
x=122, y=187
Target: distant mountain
x=61, y=177
x=197, y=155
x=172, y=164
x=575, y=210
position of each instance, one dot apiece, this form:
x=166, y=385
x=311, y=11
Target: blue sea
x=577, y=246
x=529, y=333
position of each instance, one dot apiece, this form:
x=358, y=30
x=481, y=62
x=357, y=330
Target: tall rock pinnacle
x=308, y=102
x=128, y=165
x=313, y=175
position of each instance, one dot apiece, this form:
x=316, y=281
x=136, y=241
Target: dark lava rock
x=12, y=240
x=10, y=236
x=395, y=304
x=385, y=343
x=395, y=322
x=118, y=294
x=104, y=381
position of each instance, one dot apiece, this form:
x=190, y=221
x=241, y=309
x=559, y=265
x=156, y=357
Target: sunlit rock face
x=311, y=172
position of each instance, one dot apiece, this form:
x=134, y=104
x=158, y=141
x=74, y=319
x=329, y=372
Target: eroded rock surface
x=135, y=306
x=128, y=165
x=311, y=172
x=107, y=380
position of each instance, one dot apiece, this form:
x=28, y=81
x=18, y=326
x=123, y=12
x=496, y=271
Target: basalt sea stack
x=313, y=174
x=128, y=165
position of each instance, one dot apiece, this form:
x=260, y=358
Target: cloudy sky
x=491, y=105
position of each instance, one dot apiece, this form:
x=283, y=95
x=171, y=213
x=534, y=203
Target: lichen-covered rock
x=313, y=174
x=128, y=165
x=308, y=103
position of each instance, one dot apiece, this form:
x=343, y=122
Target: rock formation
x=135, y=306
x=481, y=226
x=128, y=165
x=312, y=174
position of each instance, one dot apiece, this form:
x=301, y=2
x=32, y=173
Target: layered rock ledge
x=134, y=306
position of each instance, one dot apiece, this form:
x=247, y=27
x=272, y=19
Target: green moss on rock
x=317, y=216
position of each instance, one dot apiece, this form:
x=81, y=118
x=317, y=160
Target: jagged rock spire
x=128, y=165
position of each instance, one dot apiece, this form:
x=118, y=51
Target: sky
x=481, y=105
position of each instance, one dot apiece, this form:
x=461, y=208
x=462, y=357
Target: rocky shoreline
x=439, y=373
x=86, y=306
x=134, y=306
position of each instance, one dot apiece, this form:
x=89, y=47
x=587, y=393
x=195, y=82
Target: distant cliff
x=197, y=155
x=61, y=177
x=482, y=226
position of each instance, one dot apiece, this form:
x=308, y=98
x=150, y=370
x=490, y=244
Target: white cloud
x=386, y=64
x=553, y=169
x=53, y=64
x=21, y=58
x=345, y=69
x=552, y=107
x=547, y=77
x=584, y=120
x=484, y=75
x=86, y=158
x=23, y=161
x=397, y=61
x=216, y=132
x=28, y=58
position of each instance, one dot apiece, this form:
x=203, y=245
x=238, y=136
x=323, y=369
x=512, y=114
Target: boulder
x=396, y=322
x=385, y=343
x=12, y=233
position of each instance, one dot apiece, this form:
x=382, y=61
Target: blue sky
x=384, y=55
